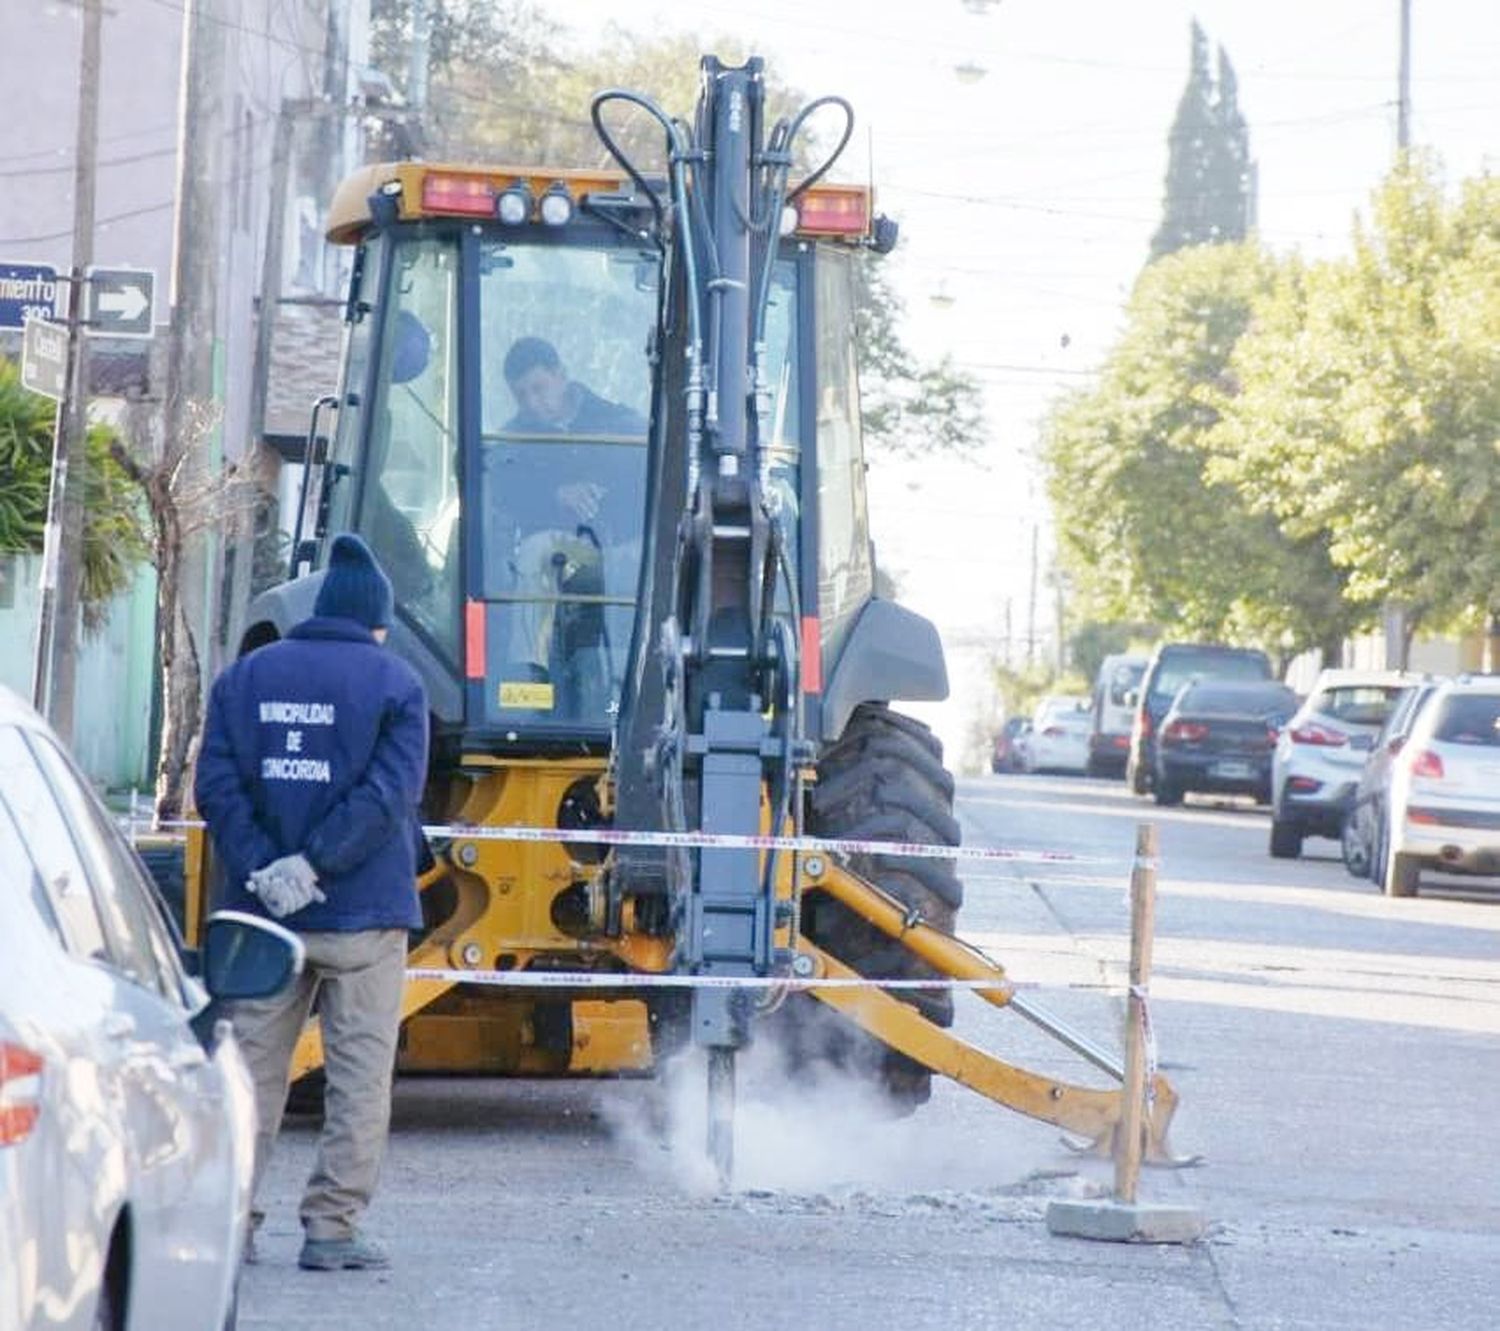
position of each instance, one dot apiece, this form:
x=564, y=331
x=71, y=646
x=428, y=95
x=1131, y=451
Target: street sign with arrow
x=120, y=302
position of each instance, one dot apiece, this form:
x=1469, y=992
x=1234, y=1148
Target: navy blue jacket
x=318, y=744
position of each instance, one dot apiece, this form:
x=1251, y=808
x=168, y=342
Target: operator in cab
x=574, y=511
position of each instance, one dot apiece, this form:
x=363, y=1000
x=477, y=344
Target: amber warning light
x=833, y=211
x=466, y=195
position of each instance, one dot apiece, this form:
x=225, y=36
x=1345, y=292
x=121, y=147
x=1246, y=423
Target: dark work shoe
x=355, y=1253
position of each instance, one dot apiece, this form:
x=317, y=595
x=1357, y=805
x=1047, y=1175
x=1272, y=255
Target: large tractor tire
x=883, y=781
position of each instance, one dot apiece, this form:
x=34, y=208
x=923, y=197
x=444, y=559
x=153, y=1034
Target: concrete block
x=1120, y=1222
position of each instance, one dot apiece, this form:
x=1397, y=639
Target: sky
x=1027, y=193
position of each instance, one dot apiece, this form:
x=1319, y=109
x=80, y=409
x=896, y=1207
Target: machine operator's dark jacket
x=318, y=745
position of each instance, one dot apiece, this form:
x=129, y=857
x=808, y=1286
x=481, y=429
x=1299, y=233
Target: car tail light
x=1304, y=785
x=20, y=1091
x=1184, y=732
x=1428, y=764
x=1323, y=736
x=1121, y=741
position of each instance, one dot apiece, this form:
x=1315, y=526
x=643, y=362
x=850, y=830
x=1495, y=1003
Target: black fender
x=891, y=654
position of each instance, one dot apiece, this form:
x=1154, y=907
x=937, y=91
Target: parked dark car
x=1172, y=665
x=1218, y=736
x=1006, y=755
x=1362, y=835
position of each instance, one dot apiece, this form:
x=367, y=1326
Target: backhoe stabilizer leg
x=1086, y=1111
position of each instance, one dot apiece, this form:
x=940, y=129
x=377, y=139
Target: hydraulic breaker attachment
x=1091, y=1113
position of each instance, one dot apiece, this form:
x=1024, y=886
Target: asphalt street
x=1337, y=1056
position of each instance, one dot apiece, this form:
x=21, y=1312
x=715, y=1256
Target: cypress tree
x=1210, y=177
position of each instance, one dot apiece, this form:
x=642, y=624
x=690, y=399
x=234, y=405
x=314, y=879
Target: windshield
x=562, y=473
x=1180, y=668
x=1360, y=704
x=1122, y=679
x=1469, y=718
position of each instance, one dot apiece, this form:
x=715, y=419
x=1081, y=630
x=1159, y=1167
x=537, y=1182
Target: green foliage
x=1147, y=529
x=25, y=462
x=908, y=407
x=1370, y=412
x=1210, y=178
x=1091, y=642
x=113, y=536
x=1022, y=689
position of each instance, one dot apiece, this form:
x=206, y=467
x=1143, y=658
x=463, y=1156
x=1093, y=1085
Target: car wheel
x=1137, y=778
x=1402, y=875
x=1355, y=845
x=1382, y=854
x=1168, y=794
x=1286, y=840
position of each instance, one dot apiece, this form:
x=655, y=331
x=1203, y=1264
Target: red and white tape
x=613, y=836
x=646, y=980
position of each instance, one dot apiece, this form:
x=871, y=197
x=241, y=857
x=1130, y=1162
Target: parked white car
x=1443, y=812
x=1321, y=753
x=1114, y=713
x=127, y=1121
x=1059, y=736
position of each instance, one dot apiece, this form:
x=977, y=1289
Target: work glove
x=286, y=885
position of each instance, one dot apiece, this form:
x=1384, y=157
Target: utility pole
x=421, y=54
x=193, y=336
x=62, y=558
x=1036, y=533
x=1403, y=91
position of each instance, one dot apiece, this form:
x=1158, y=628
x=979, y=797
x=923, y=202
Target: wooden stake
x=1131, y=1136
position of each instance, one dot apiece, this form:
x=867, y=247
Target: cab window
x=409, y=504
x=845, y=568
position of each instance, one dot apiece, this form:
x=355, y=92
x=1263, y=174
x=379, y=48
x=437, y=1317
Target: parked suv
x=1444, y=807
x=1321, y=754
x=1109, y=740
x=1172, y=665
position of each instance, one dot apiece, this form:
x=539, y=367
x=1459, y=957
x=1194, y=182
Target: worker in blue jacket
x=309, y=778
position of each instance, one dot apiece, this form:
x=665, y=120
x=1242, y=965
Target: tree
x=1210, y=178
x=1146, y=527
x=183, y=496
x=113, y=538
x=908, y=407
x=1369, y=413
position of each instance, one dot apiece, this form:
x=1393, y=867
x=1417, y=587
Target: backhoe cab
x=603, y=432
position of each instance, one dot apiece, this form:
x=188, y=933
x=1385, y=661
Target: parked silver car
x=1321, y=754
x=1443, y=811
x=127, y=1121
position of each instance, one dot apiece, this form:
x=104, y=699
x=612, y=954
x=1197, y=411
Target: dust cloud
x=823, y=1140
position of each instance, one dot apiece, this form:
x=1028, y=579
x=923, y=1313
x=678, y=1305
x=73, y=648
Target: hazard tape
x=645, y=980
x=612, y=836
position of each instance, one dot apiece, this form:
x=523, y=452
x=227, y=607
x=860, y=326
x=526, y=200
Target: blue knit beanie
x=354, y=587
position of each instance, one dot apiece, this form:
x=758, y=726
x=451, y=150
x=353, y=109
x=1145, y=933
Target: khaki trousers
x=357, y=980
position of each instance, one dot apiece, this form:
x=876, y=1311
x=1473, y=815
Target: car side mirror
x=244, y=956
x=1132, y=696
x=1396, y=745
